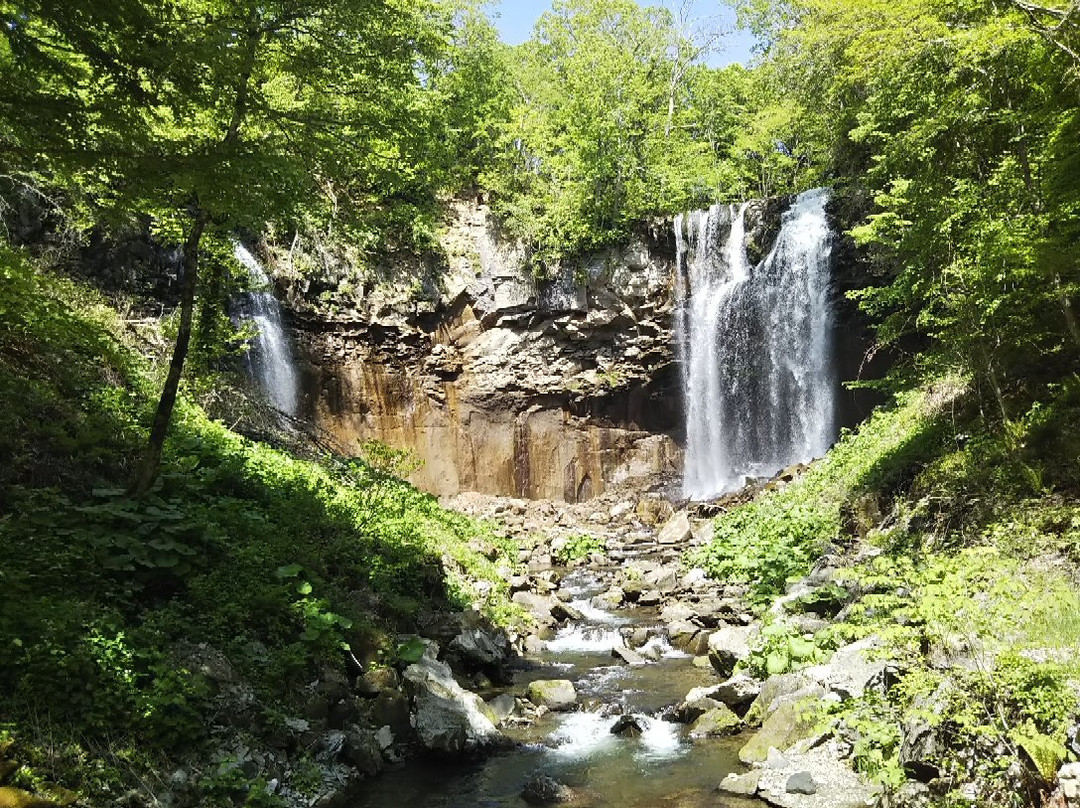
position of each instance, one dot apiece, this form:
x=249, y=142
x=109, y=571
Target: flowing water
x=660, y=767
x=269, y=359
x=754, y=344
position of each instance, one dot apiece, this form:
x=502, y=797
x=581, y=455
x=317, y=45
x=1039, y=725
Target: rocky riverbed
x=623, y=690
x=633, y=680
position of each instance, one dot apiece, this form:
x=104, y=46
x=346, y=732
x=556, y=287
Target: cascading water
x=269, y=360
x=754, y=345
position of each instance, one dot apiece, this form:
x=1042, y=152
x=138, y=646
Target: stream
x=661, y=766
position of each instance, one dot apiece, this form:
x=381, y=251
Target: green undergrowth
x=781, y=533
x=958, y=544
x=284, y=566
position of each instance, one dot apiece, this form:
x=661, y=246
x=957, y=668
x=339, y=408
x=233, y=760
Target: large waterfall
x=754, y=344
x=270, y=359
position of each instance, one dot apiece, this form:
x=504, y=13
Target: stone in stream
x=651, y=597
x=554, y=694
x=632, y=589
x=681, y=634
x=610, y=600
x=539, y=606
x=690, y=711
x=627, y=725
x=698, y=645
x=448, y=719
x=543, y=790
x=717, y=722
x=632, y=658
x=502, y=706
x=564, y=611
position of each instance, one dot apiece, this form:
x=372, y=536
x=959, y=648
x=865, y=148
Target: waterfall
x=754, y=344
x=269, y=359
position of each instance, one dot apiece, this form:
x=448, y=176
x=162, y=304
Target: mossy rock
x=555, y=694
x=717, y=722
x=17, y=798
x=790, y=723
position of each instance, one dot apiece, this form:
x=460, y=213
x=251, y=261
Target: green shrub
x=577, y=547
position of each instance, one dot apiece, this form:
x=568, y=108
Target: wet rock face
x=503, y=382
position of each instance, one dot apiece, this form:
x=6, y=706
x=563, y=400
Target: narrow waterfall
x=754, y=344
x=269, y=360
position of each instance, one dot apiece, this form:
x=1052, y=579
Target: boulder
x=627, y=725
x=632, y=658
x=801, y=783
x=543, y=790
x=539, y=606
x=554, y=694
x=738, y=692
x=564, y=611
x=728, y=646
x=689, y=711
x=502, y=706
x=698, y=645
x=612, y=599
x=773, y=689
x=1069, y=779
x=849, y=671
x=789, y=723
x=363, y=750
x=482, y=646
x=742, y=785
x=448, y=719
x=676, y=530
x=717, y=722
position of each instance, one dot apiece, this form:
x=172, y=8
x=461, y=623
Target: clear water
x=754, y=344
x=661, y=767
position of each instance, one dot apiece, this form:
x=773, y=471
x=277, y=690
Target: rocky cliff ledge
x=502, y=382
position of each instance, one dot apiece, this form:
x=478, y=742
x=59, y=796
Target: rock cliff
x=503, y=382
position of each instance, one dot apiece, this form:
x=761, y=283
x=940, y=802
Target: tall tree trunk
x=151, y=461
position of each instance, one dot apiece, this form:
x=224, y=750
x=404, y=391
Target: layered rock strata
x=503, y=382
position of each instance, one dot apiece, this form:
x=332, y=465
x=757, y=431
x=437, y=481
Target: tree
x=213, y=115
x=952, y=116
x=598, y=137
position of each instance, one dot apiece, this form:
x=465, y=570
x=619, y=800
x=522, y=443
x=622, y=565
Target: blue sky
x=516, y=17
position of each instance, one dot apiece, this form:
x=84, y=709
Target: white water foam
x=584, y=639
